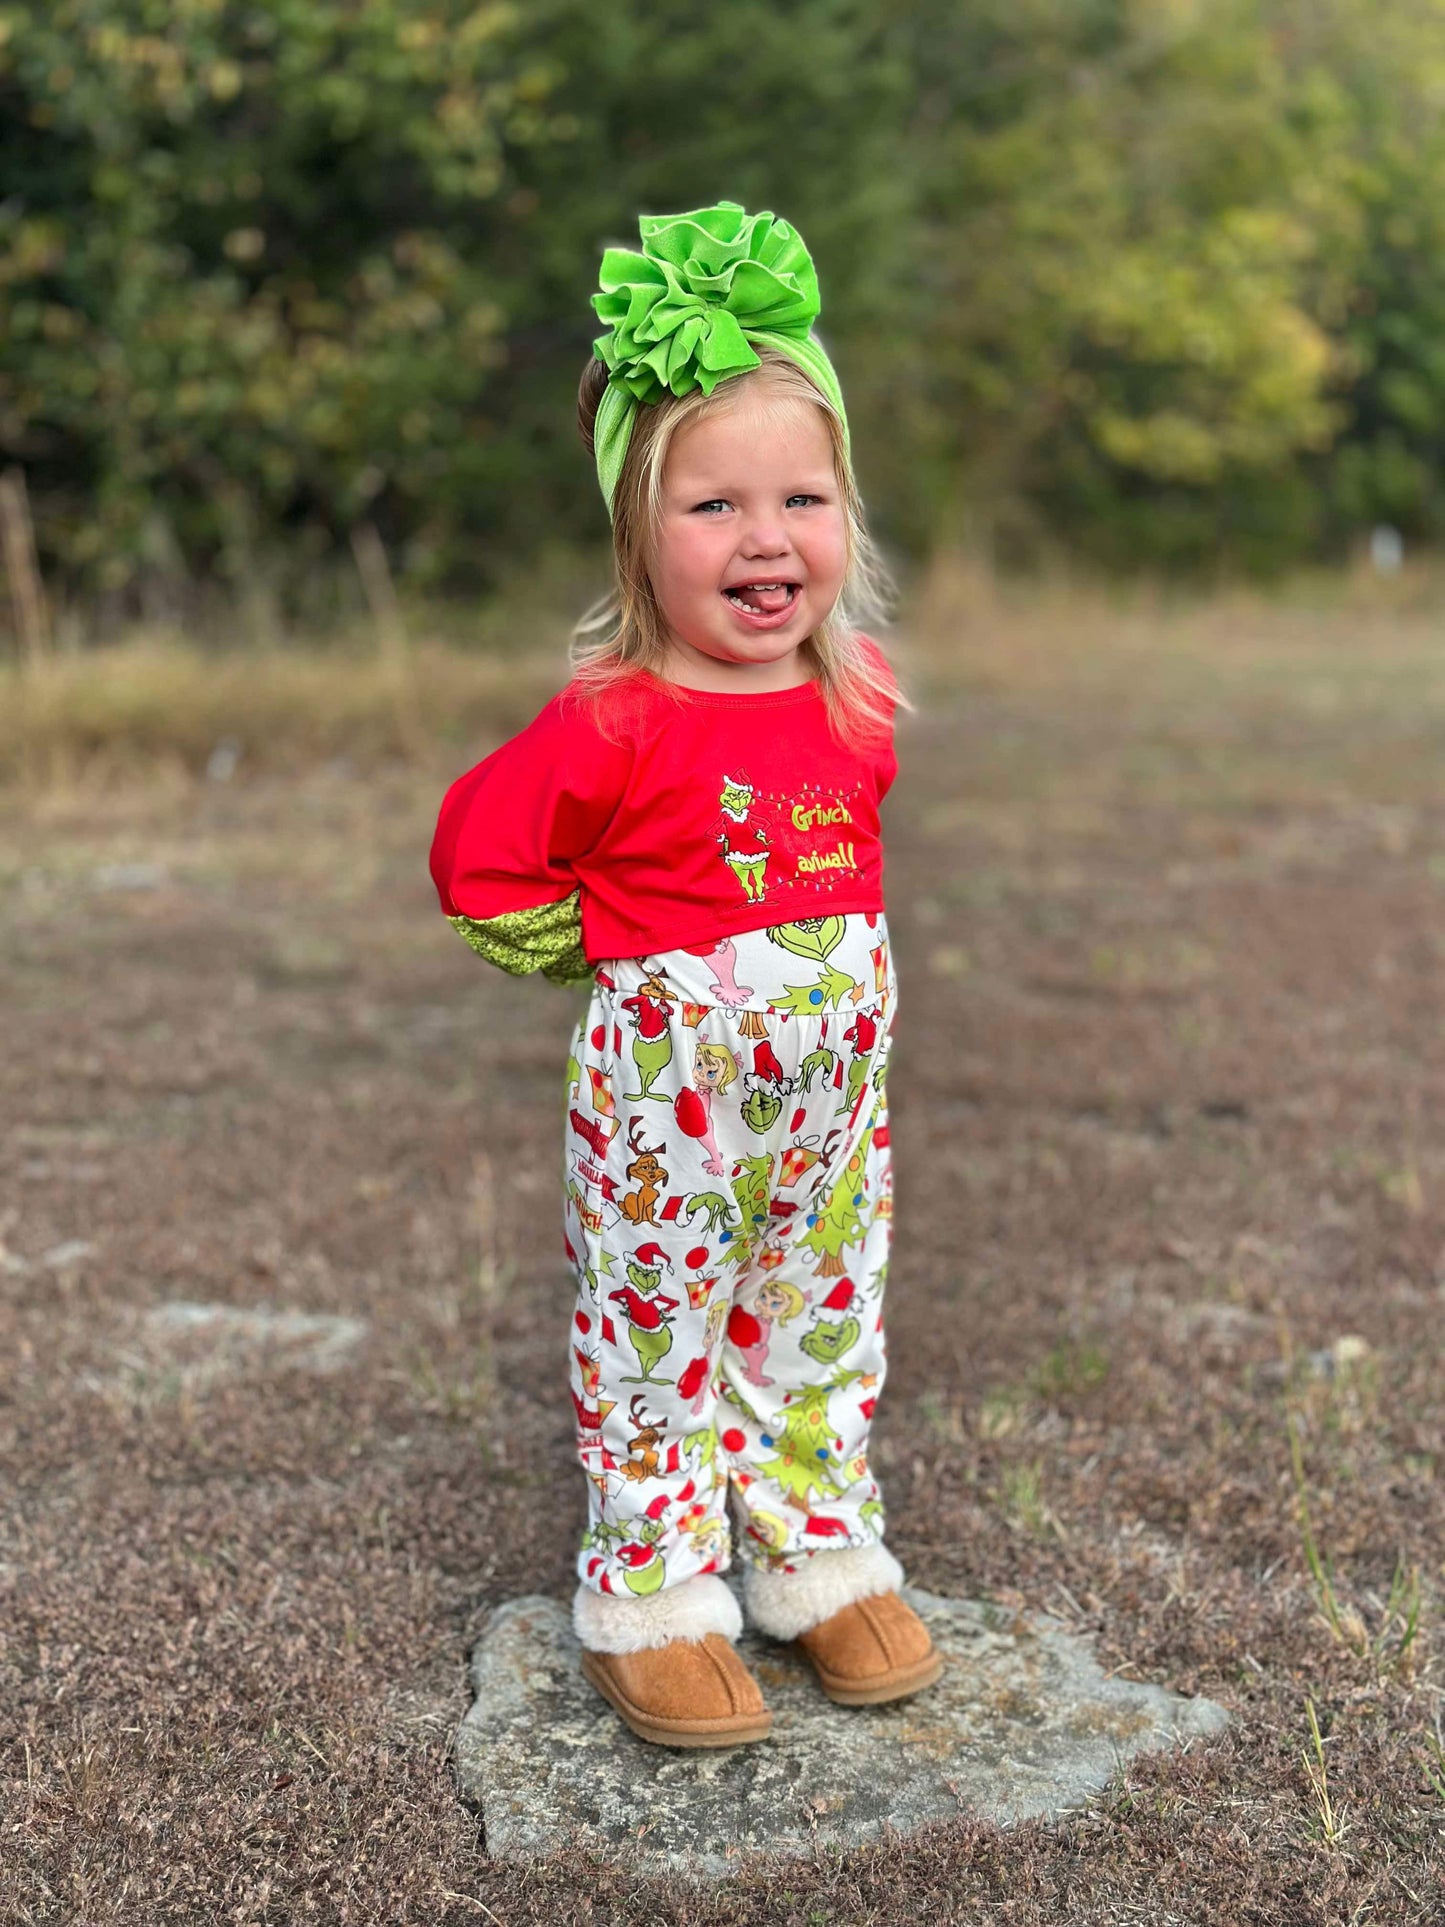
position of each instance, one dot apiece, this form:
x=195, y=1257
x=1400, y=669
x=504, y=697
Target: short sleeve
x=510, y=831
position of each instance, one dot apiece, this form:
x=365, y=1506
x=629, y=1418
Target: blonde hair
x=625, y=631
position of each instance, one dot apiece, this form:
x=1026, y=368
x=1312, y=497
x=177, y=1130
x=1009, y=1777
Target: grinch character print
x=779, y=842
x=744, y=835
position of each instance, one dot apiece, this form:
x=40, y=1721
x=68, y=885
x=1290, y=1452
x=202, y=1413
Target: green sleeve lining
x=547, y=938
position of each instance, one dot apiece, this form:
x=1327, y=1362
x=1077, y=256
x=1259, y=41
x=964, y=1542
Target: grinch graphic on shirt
x=745, y=835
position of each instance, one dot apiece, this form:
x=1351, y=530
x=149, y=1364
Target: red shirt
x=707, y=816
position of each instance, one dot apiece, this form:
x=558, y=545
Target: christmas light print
x=775, y=841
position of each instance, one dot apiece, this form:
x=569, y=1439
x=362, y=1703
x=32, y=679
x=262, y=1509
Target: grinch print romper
x=728, y=1213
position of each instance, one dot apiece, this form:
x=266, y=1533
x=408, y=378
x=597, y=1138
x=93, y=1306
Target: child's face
x=749, y=498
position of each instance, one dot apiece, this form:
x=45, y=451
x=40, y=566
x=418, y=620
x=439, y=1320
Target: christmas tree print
x=751, y=1187
x=838, y=1221
x=806, y=1459
x=827, y=993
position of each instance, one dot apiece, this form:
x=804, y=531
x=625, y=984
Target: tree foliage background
x=1156, y=281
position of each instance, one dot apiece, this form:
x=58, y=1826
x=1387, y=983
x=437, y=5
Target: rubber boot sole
x=729, y=1729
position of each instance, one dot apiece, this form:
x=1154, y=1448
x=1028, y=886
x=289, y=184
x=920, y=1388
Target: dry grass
x=1304, y=660
x=155, y=710
x=1166, y=886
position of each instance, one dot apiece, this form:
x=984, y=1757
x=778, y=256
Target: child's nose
x=766, y=536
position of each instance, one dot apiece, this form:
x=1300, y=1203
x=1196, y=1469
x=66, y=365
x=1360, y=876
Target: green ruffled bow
x=685, y=314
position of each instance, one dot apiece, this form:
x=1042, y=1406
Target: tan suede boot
x=690, y=1692
x=666, y=1661
x=873, y=1650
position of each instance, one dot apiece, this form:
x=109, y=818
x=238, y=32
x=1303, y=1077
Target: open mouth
x=763, y=598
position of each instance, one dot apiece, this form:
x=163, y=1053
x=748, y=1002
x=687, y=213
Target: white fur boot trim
x=607, y=1622
x=785, y=1604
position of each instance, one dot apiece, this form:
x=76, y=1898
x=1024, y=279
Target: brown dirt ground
x=1167, y=1093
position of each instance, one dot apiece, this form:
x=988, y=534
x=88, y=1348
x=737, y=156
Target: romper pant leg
x=798, y=1571
x=806, y=1359
x=807, y=1354
x=645, y=1219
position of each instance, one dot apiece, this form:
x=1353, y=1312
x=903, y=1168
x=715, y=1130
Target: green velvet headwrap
x=687, y=311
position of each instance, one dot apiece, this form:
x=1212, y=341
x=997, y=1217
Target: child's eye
x=717, y=502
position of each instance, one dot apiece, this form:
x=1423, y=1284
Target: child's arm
x=508, y=836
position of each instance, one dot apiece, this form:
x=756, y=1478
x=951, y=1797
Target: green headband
x=683, y=313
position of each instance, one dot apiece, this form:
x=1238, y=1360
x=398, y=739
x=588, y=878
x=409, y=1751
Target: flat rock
x=129, y=876
x=1024, y=1722
x=182, y=1346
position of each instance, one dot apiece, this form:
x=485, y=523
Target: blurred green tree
x=265, y=268
x=1156, y=279
x=1129, y=228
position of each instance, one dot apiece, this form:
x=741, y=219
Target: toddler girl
x=691, y=827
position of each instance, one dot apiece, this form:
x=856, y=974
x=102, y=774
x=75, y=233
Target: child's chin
x=762, y=645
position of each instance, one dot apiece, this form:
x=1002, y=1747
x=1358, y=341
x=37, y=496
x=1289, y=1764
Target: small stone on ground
x=183, y=1346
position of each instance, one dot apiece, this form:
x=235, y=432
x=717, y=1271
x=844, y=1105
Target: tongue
x=768, y=600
